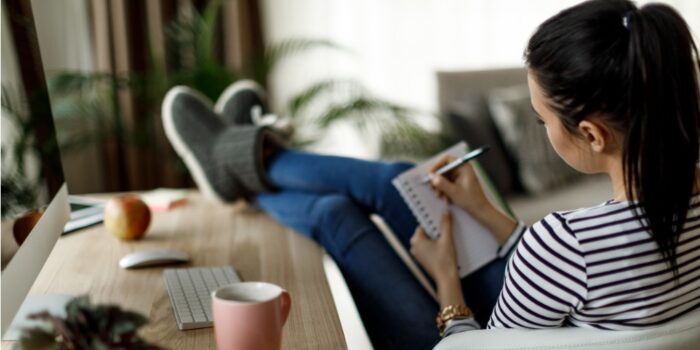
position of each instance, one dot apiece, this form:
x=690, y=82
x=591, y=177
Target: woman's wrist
x=446, y=276
x=449, y=289
x=447, y=317
x=498, y=223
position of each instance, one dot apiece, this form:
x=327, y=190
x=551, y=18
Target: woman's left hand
x=437, y=256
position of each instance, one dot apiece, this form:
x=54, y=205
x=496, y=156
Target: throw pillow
x=539, y=166
x=470, y=120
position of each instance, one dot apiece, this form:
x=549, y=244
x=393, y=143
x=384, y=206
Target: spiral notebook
x=474, y=244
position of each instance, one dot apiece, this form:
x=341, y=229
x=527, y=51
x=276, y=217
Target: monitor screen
x=34, y=194
x=31, y=167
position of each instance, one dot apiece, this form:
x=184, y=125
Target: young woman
x=616, y=88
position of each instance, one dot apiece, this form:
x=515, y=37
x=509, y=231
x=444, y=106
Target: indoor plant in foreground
x=86, y=326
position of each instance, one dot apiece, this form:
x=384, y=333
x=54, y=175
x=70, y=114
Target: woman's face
x=572, y=149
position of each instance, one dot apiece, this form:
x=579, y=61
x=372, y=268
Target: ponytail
x=638, y=69
x=661, y=148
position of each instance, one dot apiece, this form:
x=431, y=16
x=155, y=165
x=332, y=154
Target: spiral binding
x=417, y=208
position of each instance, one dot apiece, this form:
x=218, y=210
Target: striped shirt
x=596, y=268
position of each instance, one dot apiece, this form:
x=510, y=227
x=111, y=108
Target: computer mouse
x=152, y=257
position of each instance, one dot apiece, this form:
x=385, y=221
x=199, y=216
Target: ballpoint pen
x=457, y=162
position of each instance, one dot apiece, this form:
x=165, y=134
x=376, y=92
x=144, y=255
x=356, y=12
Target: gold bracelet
x=450, y=312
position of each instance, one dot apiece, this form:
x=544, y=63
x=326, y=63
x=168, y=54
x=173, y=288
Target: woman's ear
x=595, y=135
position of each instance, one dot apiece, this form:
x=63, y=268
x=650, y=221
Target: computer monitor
x=33, y=186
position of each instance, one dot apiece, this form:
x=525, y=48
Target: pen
x=457, y=162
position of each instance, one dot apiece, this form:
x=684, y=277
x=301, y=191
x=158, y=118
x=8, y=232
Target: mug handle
x=285, y=305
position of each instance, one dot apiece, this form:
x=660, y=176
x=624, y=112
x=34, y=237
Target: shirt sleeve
x=460, y=325
x=545, y=278
x=512, y=240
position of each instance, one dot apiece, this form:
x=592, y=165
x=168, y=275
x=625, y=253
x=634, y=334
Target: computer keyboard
x=190, y=293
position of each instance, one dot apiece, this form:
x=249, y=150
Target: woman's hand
x=437, y=256
x=461, y=186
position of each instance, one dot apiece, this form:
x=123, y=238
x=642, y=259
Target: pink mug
x=250, y=315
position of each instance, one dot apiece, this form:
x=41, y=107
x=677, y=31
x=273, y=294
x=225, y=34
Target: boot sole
x=180, y=146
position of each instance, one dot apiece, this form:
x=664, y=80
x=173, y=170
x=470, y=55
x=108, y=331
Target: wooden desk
x=86, y=262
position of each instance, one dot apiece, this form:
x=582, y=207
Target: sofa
x=466, y=106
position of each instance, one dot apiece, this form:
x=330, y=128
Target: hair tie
x=626, y=20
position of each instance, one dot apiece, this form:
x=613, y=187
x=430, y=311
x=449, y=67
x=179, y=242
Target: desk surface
x=256, y=246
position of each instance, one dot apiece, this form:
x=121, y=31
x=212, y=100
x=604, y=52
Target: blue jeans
x=329, y=199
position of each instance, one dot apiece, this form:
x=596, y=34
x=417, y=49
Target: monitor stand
x=55, y=304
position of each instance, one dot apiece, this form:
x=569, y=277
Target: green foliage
x=23, y=122
x=86, y=326
x=18, y=188
x=296, y=105
x=83, y=107
x=18, y=194
x=408, y=140
x=191, y=35
x=397, y=126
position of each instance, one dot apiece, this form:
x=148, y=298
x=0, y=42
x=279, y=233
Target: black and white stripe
x=598, y=268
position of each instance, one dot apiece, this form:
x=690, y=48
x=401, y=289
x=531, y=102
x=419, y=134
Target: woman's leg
x=482, y=288
x=367, y=183
x=397, y=312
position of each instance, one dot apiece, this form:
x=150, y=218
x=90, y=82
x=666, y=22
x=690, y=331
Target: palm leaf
x=409, y=140
x=206, y=25
x=69, y=82
x=360, y=108
x=306, y=97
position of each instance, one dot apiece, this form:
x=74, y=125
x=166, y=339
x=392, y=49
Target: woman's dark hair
x=638, y=69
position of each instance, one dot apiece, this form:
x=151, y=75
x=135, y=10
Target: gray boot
x=192, y=129
x=239, y=149
x=236, y=102
x=245, y=102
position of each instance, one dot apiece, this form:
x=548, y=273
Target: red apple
x=24, y=225
x=127, y=217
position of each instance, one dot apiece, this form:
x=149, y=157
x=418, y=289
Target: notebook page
x=474, y=244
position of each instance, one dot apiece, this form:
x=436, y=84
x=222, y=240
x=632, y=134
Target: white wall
x=399, y=44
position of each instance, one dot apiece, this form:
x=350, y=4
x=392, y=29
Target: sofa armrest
x=355, y=334
x=682, y=333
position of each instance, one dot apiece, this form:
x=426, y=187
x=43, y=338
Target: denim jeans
x=329, y=199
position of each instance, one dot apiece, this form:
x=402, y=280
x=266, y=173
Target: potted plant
x=86, y=326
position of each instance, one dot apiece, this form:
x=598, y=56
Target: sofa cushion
x=539, y=166
x=470, y=120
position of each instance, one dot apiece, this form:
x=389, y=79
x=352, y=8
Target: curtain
x=129, y=39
